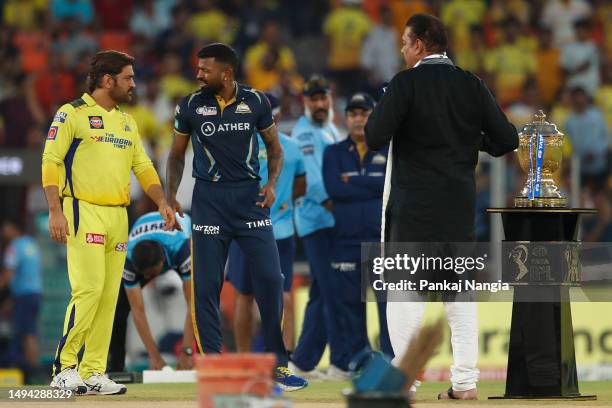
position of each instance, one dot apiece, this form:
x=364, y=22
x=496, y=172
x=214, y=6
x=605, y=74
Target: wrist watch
x=188, y=351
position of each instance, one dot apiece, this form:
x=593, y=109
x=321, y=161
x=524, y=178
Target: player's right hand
x=58, y=226
x=175, y=205
x=156, y=362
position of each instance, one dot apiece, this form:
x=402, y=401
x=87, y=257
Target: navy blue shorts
x=25, y=314
x=237, y=267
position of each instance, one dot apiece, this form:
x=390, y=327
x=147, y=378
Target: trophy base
x=540, y=202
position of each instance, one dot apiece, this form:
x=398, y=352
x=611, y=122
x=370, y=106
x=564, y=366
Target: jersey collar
x=90, y=101
x=221, y=101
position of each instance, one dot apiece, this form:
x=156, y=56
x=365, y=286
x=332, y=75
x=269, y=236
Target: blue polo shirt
x=22, y=256
x=293, y=166
x=224, y=137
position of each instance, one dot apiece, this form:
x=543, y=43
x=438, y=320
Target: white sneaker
x=312, y=375
x=69, y=379
x=335, y=374
x=99, y=384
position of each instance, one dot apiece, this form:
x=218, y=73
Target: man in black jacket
x=438, y=117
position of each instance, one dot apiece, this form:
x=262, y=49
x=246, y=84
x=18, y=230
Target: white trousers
x=404, y=321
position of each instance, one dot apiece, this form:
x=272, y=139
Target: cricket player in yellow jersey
x=90, y=150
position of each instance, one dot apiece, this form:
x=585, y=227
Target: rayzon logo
x=207, y=229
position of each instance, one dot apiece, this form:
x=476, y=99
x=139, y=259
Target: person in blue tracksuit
x=291, y=184
x=151, y=251
x=354, y=178
x=21, y=273
x=314, y=222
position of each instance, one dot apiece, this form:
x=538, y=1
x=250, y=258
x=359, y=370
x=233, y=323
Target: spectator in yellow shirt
x=458, y=16
x=266, y=60
x=548, y=73
x=510, y=64
x=173, y=83
x=346, y=28
x=402, y=10
x=472, y=58
x=209, y=23
x=24, y=14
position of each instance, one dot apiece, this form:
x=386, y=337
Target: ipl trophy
x=540, y=153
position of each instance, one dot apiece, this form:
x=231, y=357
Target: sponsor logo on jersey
x=379, y=159
x=93, y=238
x=207, y=229
x=259, y=223
x=129, y=275
x=60, y=117
x=207, y=110
x=344, y=266
x=96, y=122
x=121, y=247
x=118, y=142
x=308, y=149
x=150, y=227
x=243, y=108
x=209, y=128
x=52, y=133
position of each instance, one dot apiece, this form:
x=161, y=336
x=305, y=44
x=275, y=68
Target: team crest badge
x=243, y=108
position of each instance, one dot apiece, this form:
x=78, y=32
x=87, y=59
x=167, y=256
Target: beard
x=210, y=88
x=120, y=96
x=320, y=116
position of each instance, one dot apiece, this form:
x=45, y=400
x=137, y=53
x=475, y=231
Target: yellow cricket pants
x=97, y=247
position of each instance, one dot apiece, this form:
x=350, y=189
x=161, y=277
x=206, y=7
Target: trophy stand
x=541, y=357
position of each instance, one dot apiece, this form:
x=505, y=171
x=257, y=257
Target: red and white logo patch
x=96, y=122
x=52, y=133
x=92, y=238
x=121, y=247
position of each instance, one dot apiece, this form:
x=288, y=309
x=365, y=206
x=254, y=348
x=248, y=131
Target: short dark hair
x=109, y=62
x=146, y=254
x=221, y=53
x=430, y=30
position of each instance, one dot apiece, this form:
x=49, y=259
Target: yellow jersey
x=89, y=153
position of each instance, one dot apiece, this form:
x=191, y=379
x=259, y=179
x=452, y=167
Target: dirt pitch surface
x=317, y=395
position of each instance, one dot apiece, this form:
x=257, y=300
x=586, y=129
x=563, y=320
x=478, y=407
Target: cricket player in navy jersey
x=222, y=120
x=152, y=251
x=291, y=184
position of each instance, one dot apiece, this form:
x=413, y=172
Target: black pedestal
x=541, y=357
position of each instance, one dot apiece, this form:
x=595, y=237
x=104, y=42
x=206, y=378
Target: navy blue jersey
x=224, y=136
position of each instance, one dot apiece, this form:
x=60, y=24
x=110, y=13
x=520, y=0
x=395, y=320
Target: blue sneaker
x=288, y=381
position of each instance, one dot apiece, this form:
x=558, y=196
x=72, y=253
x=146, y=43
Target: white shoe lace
x=102, y=379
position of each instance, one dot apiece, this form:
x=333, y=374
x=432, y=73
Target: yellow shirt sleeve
x=142, y=165
x=59, y=138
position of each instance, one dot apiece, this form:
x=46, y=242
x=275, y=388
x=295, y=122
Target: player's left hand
x=269, y=196
x=167, y=214
x=185, y=362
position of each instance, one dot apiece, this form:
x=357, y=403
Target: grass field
x=327, y=395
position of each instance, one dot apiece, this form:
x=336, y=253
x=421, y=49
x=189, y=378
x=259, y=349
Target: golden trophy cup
x=540, y=153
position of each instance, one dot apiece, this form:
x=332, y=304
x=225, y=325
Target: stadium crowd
x=554, y=55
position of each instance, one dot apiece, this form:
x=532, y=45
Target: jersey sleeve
x=181, y=120
x=60, y=137
x=182, y=261
x=129, y=277
x=264, y=120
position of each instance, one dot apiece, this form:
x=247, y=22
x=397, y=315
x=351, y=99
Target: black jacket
x=439, y=116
